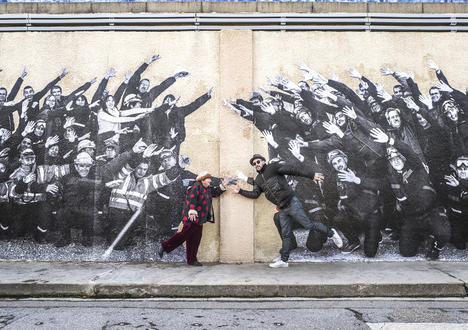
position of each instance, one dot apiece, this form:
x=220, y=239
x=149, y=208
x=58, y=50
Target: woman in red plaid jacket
x=197, y=210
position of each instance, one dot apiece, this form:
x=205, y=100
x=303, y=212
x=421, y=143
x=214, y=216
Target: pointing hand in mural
x=386, y=71
x=111, y=73
x=270, y=82
x=181, y=74
x=303, y=67
x=24, y=73
x=354, y=73
x=433, y=65
x=64, y=73
x=4, y=152
x=210, y=91
x=269, y=138
x=153, y=58
x=92, y=81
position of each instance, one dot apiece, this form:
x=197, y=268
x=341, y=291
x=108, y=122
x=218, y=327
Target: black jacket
x=271, y=180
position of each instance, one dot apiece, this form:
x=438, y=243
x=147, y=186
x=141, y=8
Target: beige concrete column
x=236, y=145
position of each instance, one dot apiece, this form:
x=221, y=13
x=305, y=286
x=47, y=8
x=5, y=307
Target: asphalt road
x=287, y=313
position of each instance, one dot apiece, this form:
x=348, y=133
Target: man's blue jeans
x=295, y=212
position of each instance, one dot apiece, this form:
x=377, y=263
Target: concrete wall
x=230, y=7
x=235, y=63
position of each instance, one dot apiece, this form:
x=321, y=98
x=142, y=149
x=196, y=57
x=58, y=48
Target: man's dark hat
x=257, y=156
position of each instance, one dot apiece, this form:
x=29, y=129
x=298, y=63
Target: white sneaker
x=279, y=264
x=336, y=238
x=278, y=258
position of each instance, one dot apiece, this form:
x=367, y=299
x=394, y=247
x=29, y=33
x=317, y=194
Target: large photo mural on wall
x=95, y=165
x=98, y=147
x=394, y=158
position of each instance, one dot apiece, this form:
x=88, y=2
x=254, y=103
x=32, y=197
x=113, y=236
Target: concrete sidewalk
x=137, y=280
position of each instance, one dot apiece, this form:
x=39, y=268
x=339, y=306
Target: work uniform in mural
x=392, y=163
x=76, y=171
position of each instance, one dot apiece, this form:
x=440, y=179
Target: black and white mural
x=395, y=162
x=92, y=178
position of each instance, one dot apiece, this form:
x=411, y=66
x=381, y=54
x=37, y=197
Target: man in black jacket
x=271, y=180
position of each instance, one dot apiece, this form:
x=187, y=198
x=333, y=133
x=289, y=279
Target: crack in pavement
x=465, y=285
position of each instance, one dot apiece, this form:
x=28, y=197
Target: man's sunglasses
x=256, y=162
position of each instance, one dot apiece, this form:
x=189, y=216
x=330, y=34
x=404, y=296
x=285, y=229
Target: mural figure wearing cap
x=197, y=211
x=271, y=180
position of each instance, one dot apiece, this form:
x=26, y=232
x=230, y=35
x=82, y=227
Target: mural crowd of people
x=89, y=165
x=395, y=163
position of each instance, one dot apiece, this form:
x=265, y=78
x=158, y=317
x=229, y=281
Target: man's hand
x=153, y=58
x=295, y=149
x=181, y=74
x=29, y=128
x=173, y=133
x=334, y=76
x=4, y=152
x=349, y=112
x=241, y=176
x=234, y=188
x=318, y=177
x=443, y=87
x=378, y=135
x=128, y=75
x=151, y=151
x=433, y=65
x=210, y=91
x=24, y=73
x=139, y=146
x=31, y=177
x=111, y=73
x=269, y=138
x=268, y=108
x=92, y=81
x=451, y=181
x=51, y=140
x=332, y=129
x=184, y=161
x=64, y=73
x=52, y=189
x=381, y=92
x=354, y=73
x=411, y=104
x=386, y=71
x=348, y=176
x=426, y=100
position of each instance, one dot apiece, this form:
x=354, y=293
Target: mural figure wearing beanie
x=197, y=210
